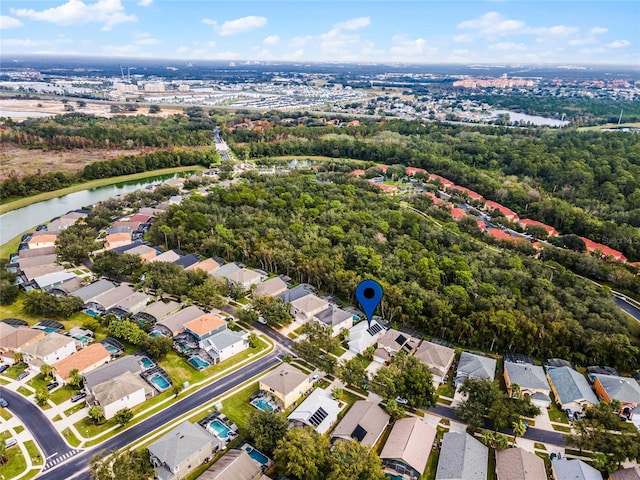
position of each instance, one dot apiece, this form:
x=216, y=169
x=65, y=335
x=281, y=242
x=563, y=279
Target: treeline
x=18, y=187
x=335, y=233
x=587, y=183
x=80, y=130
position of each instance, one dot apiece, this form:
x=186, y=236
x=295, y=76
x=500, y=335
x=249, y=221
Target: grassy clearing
x=238, y=408
x=70, y=437
x=34, y=453
x=19, y=429
x=62, y=394
x=555, y=415
x=16, y=464
x=16, y=310
x=5, y=414
x=57, y=418
x=76, y=408
x=539, y=446
x=23, y=202
x=14, y=370
x=25, y=391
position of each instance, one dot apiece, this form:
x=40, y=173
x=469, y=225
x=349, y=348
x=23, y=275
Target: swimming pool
x=82, y=338
x=111, y=349
x=93, y=313
x=49, y=329
x=160, y=382
x=220, y=429
x=263, y=405
x=146, y=362
x=394, y=477
x=259, y=457
x=198, y=362
x=155, y=333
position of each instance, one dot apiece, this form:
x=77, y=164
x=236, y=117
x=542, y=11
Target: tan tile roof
x=20, y=337
x=45, y=238
x=410, y=441
x=234, y=465
x=284, y=379
x=118, y=237
x=270, y=287
x=437, y=357
x=82, y=360
x=205, y=265
x=518, y=464
x=47, y=345
x=309, y=303
x=205, y=324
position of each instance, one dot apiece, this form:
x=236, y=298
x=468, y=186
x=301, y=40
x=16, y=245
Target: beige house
x=270, y=288
x=116, y=240
x=124, y=391
x=14, y=340
x=531, y=381
x=438, y=358
x=365, y=422
x=518, y=464
x=182, y=450
x=286, y=384
x=43, y=241
x=85, y=360
x=50, y=349
x=393, y=342
x=407, y=449
x=303, y=309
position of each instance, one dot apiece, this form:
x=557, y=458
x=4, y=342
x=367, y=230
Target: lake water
x=15, y=222
x=533, y=119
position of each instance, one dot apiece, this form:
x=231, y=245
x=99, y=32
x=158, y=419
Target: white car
x=262, y=320
x=401, y=401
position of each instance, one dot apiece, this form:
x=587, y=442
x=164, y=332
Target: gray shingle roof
x=462, y=457
x=93, y=290
x=475, y=366
x=365, y=421
x=574, y=470
x=518, y=464
x=111, y=370
x=625, y=389
x=180, y=443
x=571, y=385
x=527, y=376
x=234, y=465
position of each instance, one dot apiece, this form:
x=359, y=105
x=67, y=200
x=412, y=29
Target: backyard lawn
x=237, y=406
x=16, y=464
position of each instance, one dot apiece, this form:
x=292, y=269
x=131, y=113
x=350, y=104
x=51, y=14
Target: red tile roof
x=357, y=173
x=500, y=234
x=481, y=225
x=384, y=168
x=386, y=188
x=457, y=213
x=606, y=251
x=436, y=200
x=472, y=195
x=414, y=170
x=525, y=222
x=508, y=213
x=445, y=181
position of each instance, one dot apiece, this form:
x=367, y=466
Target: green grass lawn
x=16, y=464
x=14, y=370
x=559, y=428
x=238, y=408
x=3, y=381
x=39, y=382
x=62, y=394
x=16, y=310
x=19, y=429
x=70, y=437
x=555, y=415
x=447, y=389
x=24, y=391
x=57, y=418
x=539, y=446
x=76, y=408
x=5, y=414
x=34, y=453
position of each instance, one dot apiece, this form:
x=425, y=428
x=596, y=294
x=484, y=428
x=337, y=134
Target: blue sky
x=339, y=31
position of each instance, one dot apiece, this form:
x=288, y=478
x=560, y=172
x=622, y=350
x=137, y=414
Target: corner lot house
x=518, y=464
x=205, y=326
x=531, y=380
x=438, y=358
x=365, y=422
x=462, y=457
x=472, y=365
x=179, y=452
x=407, y=449
x=49, y=350
x=124, y=391
x=85, y=360
x=571, y=389
x=319, y=410
x=574, y=470
x=286, y=384
x=614, y=387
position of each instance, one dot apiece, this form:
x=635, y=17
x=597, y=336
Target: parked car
x=23, y=375
x=3, y=367
x=10, y=442
x=52, y=385
x=570, y=415
x=3, y=403
x=402, y=401
x=78, y=396
x=315, y=377
x=262, y=320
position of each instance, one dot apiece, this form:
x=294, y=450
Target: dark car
x=52, y=385
x=3, y=367
x=79, y=396
x=3, y=403
x=24, y=374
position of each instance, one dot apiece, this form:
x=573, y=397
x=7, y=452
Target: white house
x=362, y=336
x=51, y=349
x=124, y=391
x=303, y=309
x=319, y=410
x=225, y=344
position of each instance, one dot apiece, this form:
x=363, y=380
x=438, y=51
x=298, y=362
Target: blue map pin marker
x=369, y=293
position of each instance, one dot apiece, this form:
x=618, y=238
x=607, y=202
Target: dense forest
x=336, y=232
x=586, y=183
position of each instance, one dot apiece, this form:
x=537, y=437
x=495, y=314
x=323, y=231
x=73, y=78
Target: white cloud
x=299, y=41
x=598, y=30
x=239, y=25
x=129, y=50
x=406, y=49
x=20, y=42
x=555, y=31
x=509, y=46
x=76, y=12
x=619, y=44
x=208, y=21
x=182, y=49
x=9, y=22
x=146, y=39
x=145, y=3
x=354, y=23
x=492, y=23
x=272, y=40
x=211, y=44
x=582, y=41
x=464, y=38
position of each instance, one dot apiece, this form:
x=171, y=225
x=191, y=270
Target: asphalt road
x=284, y=341
x=47, y=437
x=627, y=307
x=76, y=467
x=535, y=434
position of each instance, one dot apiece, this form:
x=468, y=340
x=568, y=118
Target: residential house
x=394, y=341
x=16, y=340
x=145, y=252
x=518, y=464
x=113, y=369
x=116, y=240
x=127, y=390
x=303, y=309
x=67, y=287
x=36, y=252
x=205, y=326
x=319, y=411
x=462, y=457
x=571, y=389
x=506, y=212
x=574, y=470
x=245, y=278
x=234, y=465
x=31, y=273
x=365, y=421
x=270, y=288
x=51, y=280
x=133, y=303
x=615, y=387
x=335, y=319
x=44, y=240
x=169, y=256
x=407, y=449
x=531, y=381
x=174, y=323
x=37, y=261
x=60, y=224
x=156, y=311
x=225, y=270
x=411, y=171
x=526, y=223
x=50, y=349
x=86, y=294
x=444, y=181
x=357, y=173
x=225, y=344
x=499, y=234
x=207, y=265
x=286, y=384
x=472, y=365
x=631, y=473
x=362, y=336
x=438, y=358
x=111, y=298
x=141, y=218
x=294, y=293
x=606, y=251
x=85, y=360
x=182, y=450
x=470, y=193
x=187, y=261
x=458, y=213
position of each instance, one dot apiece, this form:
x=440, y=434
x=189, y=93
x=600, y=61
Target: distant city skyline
x=489, y=32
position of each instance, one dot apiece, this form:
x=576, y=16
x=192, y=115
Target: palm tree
x=519, y=429
x=3, y=449
x=515, y=390
x=46, y=370
x=17, y=357
x=96, y=413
